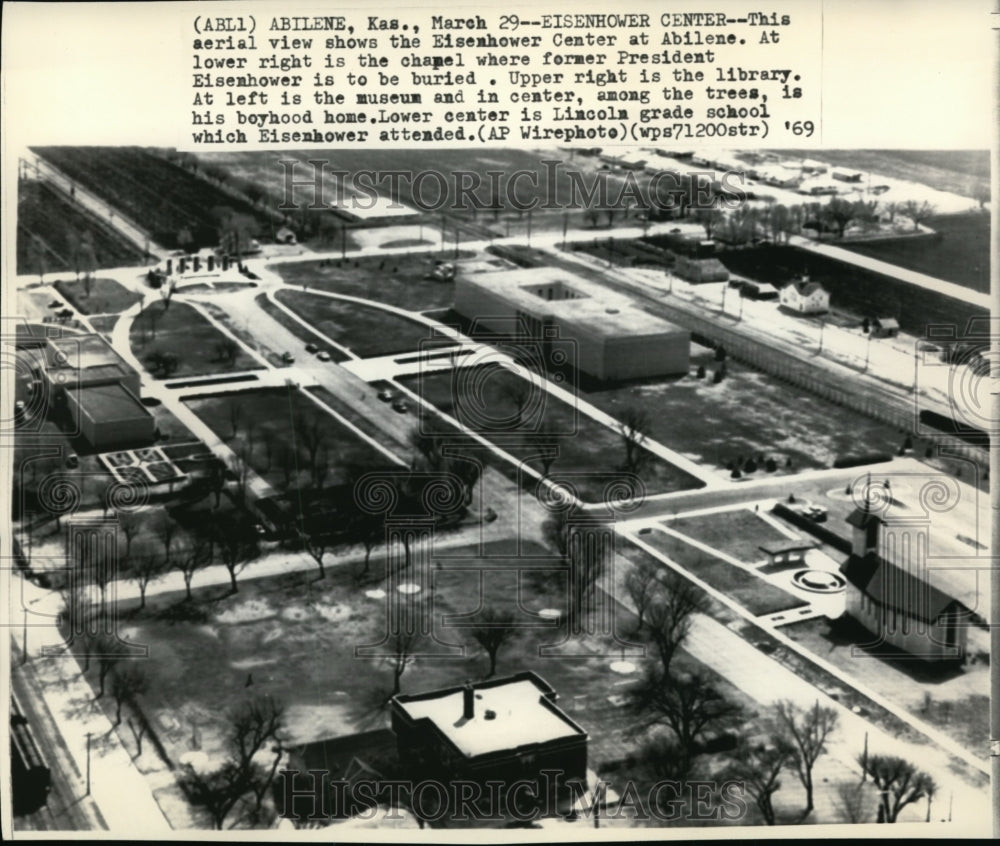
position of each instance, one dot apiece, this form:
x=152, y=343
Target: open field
x=396, y=280
x=960, y=252
x=747, y=414
x=275, y=632
x=269, y=427
x=852, y=288
x=61, y=227
x=365, y=330
x=494, y=209
x=181, y=330
x=155, y=193
x=755, y=594
x=589, y=454
x=106, y=295
x=737, y=533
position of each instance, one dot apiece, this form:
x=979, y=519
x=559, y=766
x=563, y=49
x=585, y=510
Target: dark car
x=401, y=406
x=386, y=395
x=311, y=348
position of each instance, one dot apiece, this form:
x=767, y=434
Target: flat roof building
x=507, y=729
x=99, y=390
x=609, y=337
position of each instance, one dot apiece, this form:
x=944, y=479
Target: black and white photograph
x=562, y=423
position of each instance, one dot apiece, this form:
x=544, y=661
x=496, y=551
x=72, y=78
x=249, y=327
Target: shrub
x=717, y=377
x=701, y=371
x=736, y=474
x=750, y=466
x=770, y=465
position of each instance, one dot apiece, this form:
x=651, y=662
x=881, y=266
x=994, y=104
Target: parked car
x=72, y=460
x=323, y=355
x=401, y=406
x=386, y=395
x=288, y=358
x=816, y=513
x=311, y=348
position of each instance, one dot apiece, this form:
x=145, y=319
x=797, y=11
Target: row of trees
x=778, y=222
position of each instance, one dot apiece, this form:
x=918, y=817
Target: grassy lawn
x=301, y=332
x=106, y=295
x=747, y=414
x=752, y=592
x=366, y=330
x=181, y=330
x=295, y=638
x=589, y=454
x=266, y=423
x=396, y=280
x=737, y=533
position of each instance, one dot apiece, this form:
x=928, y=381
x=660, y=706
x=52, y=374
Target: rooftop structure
x=612, y=339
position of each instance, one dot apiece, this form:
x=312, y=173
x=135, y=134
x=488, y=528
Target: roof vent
x=490, y=715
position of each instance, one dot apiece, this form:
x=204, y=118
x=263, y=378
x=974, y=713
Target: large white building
x=611, y=339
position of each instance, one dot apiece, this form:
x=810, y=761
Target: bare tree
x=642, y=584
x=252, y=726
x=634, y=428
x=237, y=545
x=130, y=523
x=688, y=705
x=166, y=531
x=109, y=651
x=198, y=555
x=317, y=544
x=807, y=732
x=142, y=571
x=403, y=643
x=668, y=616
x=493, y=629
x=759, y=767
x=899, y=783
x=126, y=683
x=918, y=212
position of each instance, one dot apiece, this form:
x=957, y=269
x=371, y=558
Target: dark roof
x=896, y=587
x=807, y=288
x=788, y=545
x=861, y=517
x=110, y=403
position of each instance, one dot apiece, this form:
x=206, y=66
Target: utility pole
x=88, y=764
x=822, y=326
x=565, y=227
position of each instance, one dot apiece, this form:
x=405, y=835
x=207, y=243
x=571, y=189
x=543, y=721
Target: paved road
x=68, y=807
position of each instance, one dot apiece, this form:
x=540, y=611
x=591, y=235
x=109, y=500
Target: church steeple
x=866, y=526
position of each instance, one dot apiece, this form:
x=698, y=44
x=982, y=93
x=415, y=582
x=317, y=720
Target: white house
x=805, y=297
